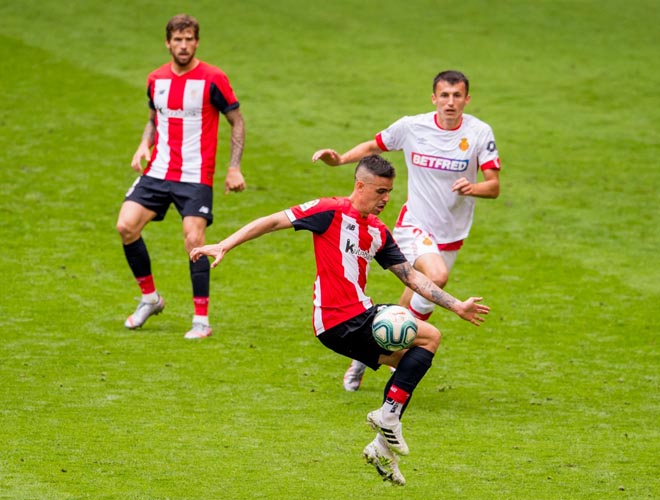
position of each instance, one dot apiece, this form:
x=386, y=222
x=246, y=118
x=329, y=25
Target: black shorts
x=157, y=195
x=354, y=338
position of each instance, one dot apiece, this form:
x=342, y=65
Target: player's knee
x=193, y=239
x=440, y=277
x=428, y=336
x=127, y=232
x=436, y=271
x=436, y=337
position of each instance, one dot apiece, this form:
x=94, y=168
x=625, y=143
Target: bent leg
x=434, y=267
x=130, y=222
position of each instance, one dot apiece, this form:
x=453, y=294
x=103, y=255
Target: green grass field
x=557, y=396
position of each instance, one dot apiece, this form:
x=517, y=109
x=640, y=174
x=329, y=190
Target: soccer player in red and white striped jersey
x=347, y=237
x=186, y=97
x=444, y=150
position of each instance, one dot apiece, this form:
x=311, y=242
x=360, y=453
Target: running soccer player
x=348, y=236
x=186, y=97
x=444, y=150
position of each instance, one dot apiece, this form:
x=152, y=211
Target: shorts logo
x=439, y=163
x=204, y=209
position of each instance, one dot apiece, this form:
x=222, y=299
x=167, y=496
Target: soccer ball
x=394, y=328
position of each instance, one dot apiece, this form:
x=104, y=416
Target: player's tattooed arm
x=420, y=284
x=237, y=139
x=470, y=309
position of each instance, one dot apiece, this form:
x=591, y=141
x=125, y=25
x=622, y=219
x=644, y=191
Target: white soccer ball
x=394, y=328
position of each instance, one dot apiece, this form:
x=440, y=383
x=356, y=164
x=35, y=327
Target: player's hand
x=216, y=251
x=470, y=310
x=462, y=186
x=143, y=153
x=234, y=180
x=327, y=156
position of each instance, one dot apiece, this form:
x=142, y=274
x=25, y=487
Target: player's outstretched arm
x=250, y=231
x=470, y=309
x=332, y=158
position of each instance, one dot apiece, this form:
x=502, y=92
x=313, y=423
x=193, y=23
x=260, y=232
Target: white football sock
x=150, y=298
x=204, y=320
x=421, y=305
x=391, y=411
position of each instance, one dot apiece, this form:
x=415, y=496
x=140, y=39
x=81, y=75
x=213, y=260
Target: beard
x=183, y=59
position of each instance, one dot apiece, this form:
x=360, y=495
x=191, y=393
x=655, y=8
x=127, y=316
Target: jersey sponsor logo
x=353, y=249
x=178, y=113
x=439, y=163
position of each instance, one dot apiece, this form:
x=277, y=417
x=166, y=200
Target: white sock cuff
x=421, y=305
x=204, y=320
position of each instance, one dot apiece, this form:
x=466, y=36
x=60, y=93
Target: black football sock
x=411, y=370
x=200, y=275
x=138, y=258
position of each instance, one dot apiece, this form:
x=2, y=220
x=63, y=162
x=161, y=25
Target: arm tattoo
x=420, y=284
x=149, y=134
x=237, y=143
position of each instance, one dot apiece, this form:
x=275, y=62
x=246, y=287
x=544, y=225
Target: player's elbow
x=493, y=190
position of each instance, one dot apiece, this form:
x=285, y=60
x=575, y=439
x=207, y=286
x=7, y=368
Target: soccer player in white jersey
x=348, y=236
x=444, y=151
x=186, y=97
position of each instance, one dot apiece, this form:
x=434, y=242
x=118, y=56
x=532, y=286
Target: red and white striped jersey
x=436, y=158
x=187, y=110
x=345, y=243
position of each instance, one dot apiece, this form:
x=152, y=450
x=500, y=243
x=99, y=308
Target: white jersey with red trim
x=345, y=243
x=436, y=158
x=187, y=110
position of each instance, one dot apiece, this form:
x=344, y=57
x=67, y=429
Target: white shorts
x=415, y=242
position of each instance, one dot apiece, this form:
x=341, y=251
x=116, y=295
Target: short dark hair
x=453, y=77
x=376, y=165
x=181, y=22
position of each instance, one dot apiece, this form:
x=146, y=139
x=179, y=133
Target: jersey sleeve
x=222, y=94
x=315, y=216
x=390, y=253
x=150, y=92
x=392, y=138
x=488, y=156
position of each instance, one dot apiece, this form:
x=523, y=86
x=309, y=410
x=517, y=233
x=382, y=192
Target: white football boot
x=143, y=311
x=198, y=331
x=353, y=376
x=391, y=432
x=385, y=462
